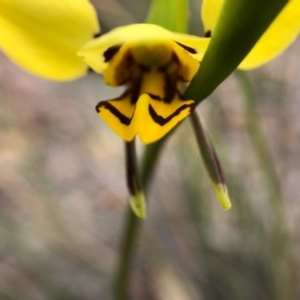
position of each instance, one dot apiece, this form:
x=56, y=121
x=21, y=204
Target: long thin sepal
x=211, y=161
x=136, y=198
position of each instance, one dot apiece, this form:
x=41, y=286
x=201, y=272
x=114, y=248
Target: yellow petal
x=124, y=63
x=151, y=63
x=137, y=34
x=210, y=11
x=160, y=107
x=156, y=118
x=189, y=65
x=93, y=51
x=43, y=36
x=282, y=32
x=119, y=116
x=118, y=70
x=152, y=115
x=194, y=45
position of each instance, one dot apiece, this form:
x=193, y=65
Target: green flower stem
x=280, y=244
x=132, y=223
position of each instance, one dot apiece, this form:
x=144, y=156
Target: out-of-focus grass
x=63, y=194
x=253, y=254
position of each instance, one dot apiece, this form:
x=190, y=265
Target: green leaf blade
x=170, y=14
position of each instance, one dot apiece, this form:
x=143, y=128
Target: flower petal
x=282, y=32
x=156, y=118
x=94, y=51
x=160, y=106
x=152, y=115
x=210, y=11
x=195, y=46
x=188, y=64
x=151, y=63
x=44, y=36
x=119, y=116
x=123, y=60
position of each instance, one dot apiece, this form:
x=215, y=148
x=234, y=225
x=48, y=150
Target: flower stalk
x=133, y=223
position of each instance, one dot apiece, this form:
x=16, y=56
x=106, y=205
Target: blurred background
x=63, y=196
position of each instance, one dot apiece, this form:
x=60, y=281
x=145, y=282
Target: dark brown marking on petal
x=207, y=34
x=144, y=68
x=163, y=68
x=96, y=35
x=163, y=121
x=135, y=90
x=154, y=97
x=170, y=88
x=110, y=52
x=122, y=118
x=90, y=70
x=187, y=48
x=171, y=77
x=126, y=71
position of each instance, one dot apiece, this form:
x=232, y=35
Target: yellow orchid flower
x=280, y=34
x=151, y=62
x=43, y=36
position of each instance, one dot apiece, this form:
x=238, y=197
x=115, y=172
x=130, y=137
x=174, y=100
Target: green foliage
x=171, y=15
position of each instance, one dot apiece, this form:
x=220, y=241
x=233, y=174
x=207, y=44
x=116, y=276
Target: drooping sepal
x=138, y=205
x=136, y=196
x=211, y=162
